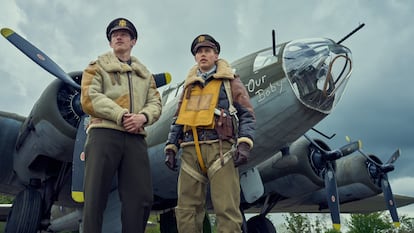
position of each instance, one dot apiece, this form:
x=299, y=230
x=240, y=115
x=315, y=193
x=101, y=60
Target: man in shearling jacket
x=205, y=127
x=120, y=95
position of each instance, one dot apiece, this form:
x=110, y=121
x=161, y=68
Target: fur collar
x=224, y=71
x=110, y=63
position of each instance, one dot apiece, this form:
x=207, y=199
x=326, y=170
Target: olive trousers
x=224, y=190
x=109, y=152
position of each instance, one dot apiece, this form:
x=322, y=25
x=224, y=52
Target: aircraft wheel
x=260, y=224
x=26, y=212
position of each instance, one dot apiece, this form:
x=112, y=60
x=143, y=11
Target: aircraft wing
x=368, y=205
x=373, y=204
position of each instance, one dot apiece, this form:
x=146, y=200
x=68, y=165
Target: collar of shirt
x=129, y=62
x=208, y=73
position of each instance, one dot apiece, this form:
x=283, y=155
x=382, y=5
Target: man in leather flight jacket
x=213, y=115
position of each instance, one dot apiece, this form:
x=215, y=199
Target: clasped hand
x=133, y=123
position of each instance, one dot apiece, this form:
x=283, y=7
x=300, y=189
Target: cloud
x=402, y=186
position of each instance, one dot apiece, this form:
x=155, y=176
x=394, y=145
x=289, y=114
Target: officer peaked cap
x=204, y=40
x=121, y=23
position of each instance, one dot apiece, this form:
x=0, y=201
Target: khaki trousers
x=224, y=189
x=110, y=152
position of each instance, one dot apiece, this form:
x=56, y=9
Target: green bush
x=5, y=199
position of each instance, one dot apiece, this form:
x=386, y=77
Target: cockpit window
x=265, y=58
x=318, y=70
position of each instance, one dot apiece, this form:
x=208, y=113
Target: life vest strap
x=198, y=150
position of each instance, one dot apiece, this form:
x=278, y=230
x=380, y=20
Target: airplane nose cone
x=318, y=70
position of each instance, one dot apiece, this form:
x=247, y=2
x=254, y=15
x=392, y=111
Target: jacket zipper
x=131, y=96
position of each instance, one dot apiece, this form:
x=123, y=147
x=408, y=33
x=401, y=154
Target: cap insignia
x=122, y=23
x=201, y=39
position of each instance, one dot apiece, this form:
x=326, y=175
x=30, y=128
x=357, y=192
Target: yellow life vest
x=198, y=109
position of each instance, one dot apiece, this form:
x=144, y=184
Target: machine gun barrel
x=351, y=33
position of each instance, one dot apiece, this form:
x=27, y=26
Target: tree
x=303, y=223
x=332, y=231
x=407, y=225
x=369, y=223
x=297, y=223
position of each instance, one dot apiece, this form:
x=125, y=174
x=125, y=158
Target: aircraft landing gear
x=26, y=212
x=31, y=208
x=260, y=224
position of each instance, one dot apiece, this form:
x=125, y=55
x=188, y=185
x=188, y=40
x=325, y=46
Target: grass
x=2, y=225
x=155, y=226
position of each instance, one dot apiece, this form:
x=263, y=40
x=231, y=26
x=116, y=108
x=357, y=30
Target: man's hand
x=170, y=160
x=241, y=156
x=133, y=123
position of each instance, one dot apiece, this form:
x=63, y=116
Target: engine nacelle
x=354, y=177
x=295, y=179
x=47, y=136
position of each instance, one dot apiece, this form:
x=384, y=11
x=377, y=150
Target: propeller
x=325, y=160
x=379, y=172
x=38, y=56
x=389, y=199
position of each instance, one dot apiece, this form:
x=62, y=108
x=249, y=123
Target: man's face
x=121, y=41
x=206, y=58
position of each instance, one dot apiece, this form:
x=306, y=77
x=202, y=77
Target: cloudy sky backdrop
x=378, y=103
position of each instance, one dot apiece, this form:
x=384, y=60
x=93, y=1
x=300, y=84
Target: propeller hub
x=387, y=168
x=76, y=105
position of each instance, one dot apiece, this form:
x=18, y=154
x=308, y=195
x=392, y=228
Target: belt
x=203, y=135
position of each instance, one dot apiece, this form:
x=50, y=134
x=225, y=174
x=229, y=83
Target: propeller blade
x=351, y=148
x=389, y=200
x=38, y=56
x=332, y=197
x=78, y=162
x=341, y=152
x=394, y=157
x=162, y=79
